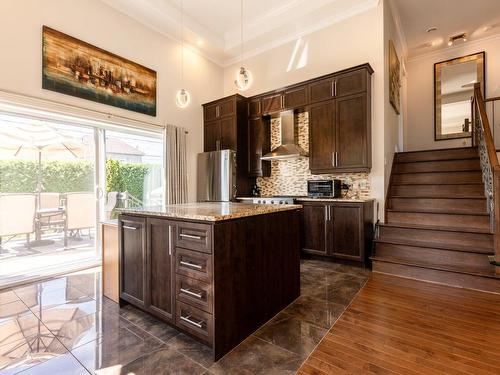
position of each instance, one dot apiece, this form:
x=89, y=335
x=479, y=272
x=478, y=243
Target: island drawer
x=193, y=264
x=194, y=236
x=194, y=292
x=195, y=321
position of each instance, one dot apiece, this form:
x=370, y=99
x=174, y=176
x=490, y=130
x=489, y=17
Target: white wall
x=392, y=120
x=98, y=24
x=351, y=42
x=420, y=72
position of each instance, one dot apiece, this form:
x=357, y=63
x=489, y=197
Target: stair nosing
x=420, y=197
x=437, y=227
x=433, y=160
x=395, y=183
x=437, y=212
x=437, y=246
x=430, y=266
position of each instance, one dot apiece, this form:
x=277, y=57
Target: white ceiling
x=213, y=26
x=478, y=18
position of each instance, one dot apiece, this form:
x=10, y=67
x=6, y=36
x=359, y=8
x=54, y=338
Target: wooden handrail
x=488, y=135
x=495, y=170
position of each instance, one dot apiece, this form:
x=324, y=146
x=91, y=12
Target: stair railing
x=483, y=139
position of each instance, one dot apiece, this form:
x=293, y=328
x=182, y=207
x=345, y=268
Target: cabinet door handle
x=336, y=159
x=129, y=227
x=192, y=265
x=335, y=88
x=217, y=145
x=217, y=111
x=326, y=213
x=169, y=240
x=190, y=236
x=193, y=294
x=188, y=319
x=333, y=159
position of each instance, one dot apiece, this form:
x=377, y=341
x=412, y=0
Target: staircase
x=437, y=227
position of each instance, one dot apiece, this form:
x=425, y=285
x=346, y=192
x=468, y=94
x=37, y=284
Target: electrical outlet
x=362, y=184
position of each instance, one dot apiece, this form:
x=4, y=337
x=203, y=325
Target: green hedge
x=19, y=176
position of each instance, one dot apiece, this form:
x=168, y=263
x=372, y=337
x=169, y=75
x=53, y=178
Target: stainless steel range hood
x=289, y=144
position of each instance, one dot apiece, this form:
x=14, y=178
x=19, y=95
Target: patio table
x=42, y=214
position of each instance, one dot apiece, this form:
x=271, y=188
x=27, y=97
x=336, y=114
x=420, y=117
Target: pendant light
x=243, y=76
x=182, y=98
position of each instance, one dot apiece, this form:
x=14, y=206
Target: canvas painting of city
x=74, y=67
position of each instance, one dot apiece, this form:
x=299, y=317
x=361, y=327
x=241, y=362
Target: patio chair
x=17, y=215
x=51, y=200
x=80, y=213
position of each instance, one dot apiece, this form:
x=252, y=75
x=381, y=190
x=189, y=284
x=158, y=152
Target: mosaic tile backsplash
x=289, y=177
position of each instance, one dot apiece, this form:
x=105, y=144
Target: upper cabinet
x=296, y=97
x=226, y=128
x=221, y=108
x=221, y=123
x=272, y=103
x=340, y=122
x=339, y=106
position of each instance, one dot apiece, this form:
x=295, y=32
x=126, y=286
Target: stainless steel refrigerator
x=216, y=180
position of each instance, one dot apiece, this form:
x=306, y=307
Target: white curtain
x=175, y=165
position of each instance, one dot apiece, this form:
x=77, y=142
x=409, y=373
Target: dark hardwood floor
x=403, y=326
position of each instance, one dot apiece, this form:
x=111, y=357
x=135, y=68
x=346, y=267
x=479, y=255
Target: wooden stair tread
x=435, y=245
x=487, y=271
x=439, y=211
x=436, y=227
x=437, y=155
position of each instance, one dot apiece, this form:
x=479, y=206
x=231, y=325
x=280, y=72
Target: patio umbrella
x=31, y=140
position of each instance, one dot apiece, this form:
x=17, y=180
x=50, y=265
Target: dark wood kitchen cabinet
x=296, y=97
x=132, y=239
x=314, y=228
x=160, y=267
x=222, y=119
x=226, y=128
x=259, y=144
x=340, y=128
x=272, y=103
x=200, y=276
x=146, y=258
x=340, y=230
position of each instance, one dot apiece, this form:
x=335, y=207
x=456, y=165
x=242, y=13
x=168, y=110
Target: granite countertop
x=307, y=199
x=209, y=211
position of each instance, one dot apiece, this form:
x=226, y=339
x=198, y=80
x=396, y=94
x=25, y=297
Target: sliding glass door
x=134, y=170
x=58, y=181
x=47, y=197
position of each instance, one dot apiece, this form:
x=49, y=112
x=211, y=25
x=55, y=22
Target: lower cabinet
x=132, y=241
x=171, y=282
x=146, y=258
x=341, y=230
x=160, y=265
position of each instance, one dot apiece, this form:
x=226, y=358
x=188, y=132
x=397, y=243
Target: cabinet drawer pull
x=193, y=294
x=129, y=227
x=189, y=264
x=190, y=236
x=187, y=319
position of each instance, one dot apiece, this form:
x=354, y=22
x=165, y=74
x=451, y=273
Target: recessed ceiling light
x=431, y=29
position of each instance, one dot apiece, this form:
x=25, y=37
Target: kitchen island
x=216, y=271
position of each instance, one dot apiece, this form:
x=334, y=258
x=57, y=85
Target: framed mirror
x=453, y=90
